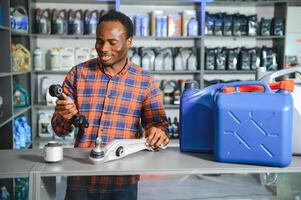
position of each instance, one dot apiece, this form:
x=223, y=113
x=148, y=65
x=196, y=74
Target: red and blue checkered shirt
x=114, y=107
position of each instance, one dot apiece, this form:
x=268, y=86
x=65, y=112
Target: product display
x=66, y=21
x=21, y=188
x=21, y=97
x=22, y=133
x=241, y=58
x=19, y=19
x=21, y=58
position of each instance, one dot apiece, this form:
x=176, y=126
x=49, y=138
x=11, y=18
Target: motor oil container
x=21, y=59
x=93, y=53
x=55, y=59
x=38, y=59
x=66, y=58
x=254, y=127
x=21, y=19
x=196, y=118
x=81, y=55
x=267, y=76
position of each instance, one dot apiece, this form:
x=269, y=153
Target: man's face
x=111, y=43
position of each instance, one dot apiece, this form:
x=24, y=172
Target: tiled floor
x=195, y=187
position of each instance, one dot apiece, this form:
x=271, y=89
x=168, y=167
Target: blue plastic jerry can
x=254, y=127
x=196, y=118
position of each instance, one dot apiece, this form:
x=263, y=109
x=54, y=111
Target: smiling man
x=114, y=95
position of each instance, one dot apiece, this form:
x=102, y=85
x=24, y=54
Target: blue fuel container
x=197, y=119
x=254, y=127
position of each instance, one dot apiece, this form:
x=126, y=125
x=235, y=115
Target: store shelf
x=49, y=36
x=4, y=28
x=50, y=72
x=244, y=3
x=20, y=111
x=229, y=72
x=4, y=74
x=3, y=123
x=167, y=37
x=19, y=33
x=75, y=1
x=170, y=106
x=20, y=73
x=243, y=37
x=159, y=2
x=176, y=72
x=44, y=107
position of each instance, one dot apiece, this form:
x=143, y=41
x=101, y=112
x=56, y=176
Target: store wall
x=293, y=30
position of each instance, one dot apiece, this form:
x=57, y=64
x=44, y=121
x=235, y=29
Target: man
x=114, y=95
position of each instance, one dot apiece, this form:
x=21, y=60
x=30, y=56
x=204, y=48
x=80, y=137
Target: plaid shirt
x=113, y=107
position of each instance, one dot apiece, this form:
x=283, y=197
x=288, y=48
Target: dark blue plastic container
x=197, y=119
x=254, y=128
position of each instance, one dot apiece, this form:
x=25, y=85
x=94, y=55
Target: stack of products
x=21, y=188
x=73, y=22
x=173, y=89
x=166, y=59
x=161, y=24
x=22, y=133
x=63, y=58
x=220, y=118
x=19, y=19
x=223, y=24
x=222, y=58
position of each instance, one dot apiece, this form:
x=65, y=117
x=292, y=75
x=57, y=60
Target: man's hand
x=66, y=108
x=155, y=137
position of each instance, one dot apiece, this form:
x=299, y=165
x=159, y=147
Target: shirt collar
x=121, y=73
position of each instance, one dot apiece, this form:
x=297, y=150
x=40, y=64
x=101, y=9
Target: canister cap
x=191, y=84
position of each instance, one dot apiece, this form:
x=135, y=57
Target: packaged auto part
x=236, y=23
x=21, y=58
x=44, y=124
x=38, y=59
x=76, y=22
x=144, y=25
x=220, y=58
x=269, y=58
x=255, y=58
x=252, y=25
x=174, y=25
x=137, y=19
x=243, y=25
x=20, y=18
x=218, y=25
x=227, y=25
x=21, y=97
x=192, y=61
x=209, y=23
x=244, y=59
x=180, y=63
x=192, y=27
x=265, y=27
x=148, y=58
x=59, y=22
x=91, y=20
x=189, y=23
x=209, y=59
x=278, y=26
x=42, y=21
x=232, y=58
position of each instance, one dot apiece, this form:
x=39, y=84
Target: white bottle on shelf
x=38, y=59
x=54, y=59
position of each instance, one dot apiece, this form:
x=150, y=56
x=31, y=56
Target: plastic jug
x=257, y=133
x=268, y=76
x=196, y=118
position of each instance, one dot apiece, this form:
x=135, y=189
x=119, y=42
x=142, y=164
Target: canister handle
x=242, y=83
x=271, y=76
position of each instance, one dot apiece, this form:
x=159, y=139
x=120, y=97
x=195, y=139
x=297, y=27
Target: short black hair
x=114, y=15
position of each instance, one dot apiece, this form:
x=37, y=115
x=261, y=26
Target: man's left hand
x=155, y=137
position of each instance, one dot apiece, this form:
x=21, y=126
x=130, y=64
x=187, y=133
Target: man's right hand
x=66, y=108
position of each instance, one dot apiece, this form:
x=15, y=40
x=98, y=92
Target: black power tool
x=77, y=120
